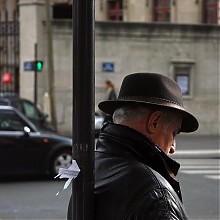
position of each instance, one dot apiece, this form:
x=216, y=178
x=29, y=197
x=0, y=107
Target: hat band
x=152, y=100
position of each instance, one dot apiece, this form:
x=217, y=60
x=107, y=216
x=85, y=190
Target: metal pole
x=35, y=75
x=50, y=63
x=83, y=108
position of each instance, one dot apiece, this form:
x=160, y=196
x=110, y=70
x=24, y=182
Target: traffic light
x=38, y=65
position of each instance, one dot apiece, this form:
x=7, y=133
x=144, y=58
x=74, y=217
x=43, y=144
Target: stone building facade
x=171, y=11
x=180, y=39
x=187, y=53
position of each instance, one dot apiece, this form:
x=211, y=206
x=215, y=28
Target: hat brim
x=189, y=122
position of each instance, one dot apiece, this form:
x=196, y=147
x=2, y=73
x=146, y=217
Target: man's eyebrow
x=177, y=131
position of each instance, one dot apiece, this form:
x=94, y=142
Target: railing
x=9, y=53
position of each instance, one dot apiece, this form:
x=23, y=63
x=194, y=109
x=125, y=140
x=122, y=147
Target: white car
x=99, y=120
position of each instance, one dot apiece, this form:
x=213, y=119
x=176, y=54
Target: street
x=35, y=197
x=199, y=180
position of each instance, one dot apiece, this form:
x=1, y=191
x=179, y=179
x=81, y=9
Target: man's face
x=165, y=138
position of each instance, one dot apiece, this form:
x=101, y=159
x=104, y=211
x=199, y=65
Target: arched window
x=210, y=11
x=161, y=11
x=115, y=11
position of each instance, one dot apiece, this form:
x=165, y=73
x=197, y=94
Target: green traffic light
x=39, y=66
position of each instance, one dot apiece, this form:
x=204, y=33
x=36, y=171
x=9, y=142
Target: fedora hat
x=151, y=89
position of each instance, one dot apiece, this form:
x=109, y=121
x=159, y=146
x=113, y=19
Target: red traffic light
x=6, y=78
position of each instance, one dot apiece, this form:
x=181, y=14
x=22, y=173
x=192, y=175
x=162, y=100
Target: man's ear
x=154, y=122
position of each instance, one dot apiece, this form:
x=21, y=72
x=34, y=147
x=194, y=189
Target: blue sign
x=28, y=65
x=108, y=67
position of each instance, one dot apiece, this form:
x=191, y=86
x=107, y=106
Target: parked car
x=26, y=150
x=29, y=109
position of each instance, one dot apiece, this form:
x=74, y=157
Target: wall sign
x=108, y=67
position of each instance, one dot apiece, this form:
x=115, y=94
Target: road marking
x=201, y=171
x=214, y=177
x=198, y=152
x=199, y=167
x=207, y=168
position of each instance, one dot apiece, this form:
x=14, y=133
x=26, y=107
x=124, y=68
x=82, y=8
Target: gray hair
x=131, y=113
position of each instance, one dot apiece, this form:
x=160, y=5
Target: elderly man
x=134, y=176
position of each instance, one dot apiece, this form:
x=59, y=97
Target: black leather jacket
x=133, y=178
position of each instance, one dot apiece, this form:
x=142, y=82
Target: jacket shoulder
x=160, y=202
x=156, y=204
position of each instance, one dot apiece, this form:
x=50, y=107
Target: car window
x=30, y=110
x=4, y=102
x=10, y=121
x=17, y=104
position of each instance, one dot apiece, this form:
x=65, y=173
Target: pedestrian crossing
x=207, y=168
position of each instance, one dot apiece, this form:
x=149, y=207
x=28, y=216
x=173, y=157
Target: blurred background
x=178, y=38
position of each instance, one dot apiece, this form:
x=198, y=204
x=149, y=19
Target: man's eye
x=175, y=134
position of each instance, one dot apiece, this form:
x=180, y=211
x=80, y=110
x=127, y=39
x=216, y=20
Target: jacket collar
x=120, y=139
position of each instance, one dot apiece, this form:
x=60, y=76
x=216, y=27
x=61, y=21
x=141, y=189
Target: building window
x=182, y=77
x=161, y=11
x=62, y=11
x=210, y=11
x=115, y=12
